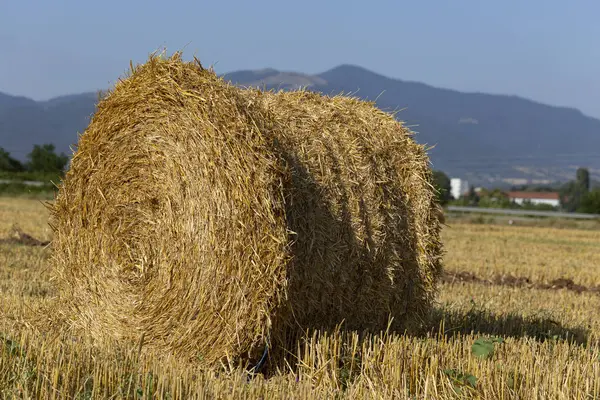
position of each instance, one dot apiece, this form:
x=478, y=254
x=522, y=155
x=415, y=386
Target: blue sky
x=544, y=50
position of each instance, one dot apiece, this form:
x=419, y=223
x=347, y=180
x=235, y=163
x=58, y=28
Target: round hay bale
x=365, y=218
x=202, y=218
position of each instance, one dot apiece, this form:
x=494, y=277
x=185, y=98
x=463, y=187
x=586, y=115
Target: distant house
x=459, y=187
x=549, y=198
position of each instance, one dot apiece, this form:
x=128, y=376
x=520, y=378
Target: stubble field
x=517, y=317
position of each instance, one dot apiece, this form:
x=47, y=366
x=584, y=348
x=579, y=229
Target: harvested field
x=541, y=255
x=550, y=348
x=518, y=281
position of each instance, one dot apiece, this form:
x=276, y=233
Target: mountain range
x=485, y=138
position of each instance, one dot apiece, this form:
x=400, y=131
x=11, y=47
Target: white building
x=550, y=198
x=459, y=187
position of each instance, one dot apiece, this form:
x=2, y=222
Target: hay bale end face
x=204, y=218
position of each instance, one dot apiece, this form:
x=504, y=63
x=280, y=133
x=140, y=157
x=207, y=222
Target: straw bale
x=199, y=219
x=364, y=215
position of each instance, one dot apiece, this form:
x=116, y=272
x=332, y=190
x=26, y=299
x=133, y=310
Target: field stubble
x=539, y=344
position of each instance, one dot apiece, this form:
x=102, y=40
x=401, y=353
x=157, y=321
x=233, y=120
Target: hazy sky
x=545, y=50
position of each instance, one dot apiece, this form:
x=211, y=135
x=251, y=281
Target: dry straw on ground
x=199, y=219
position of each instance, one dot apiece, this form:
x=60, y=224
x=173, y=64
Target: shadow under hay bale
x=199, y=219
x=479, y=321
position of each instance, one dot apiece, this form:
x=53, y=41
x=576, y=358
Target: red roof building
x=550, y=198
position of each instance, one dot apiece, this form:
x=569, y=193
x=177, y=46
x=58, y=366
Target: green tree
x=583, y=178
x=590, y=202
x=495, y=198
x=9, y=164
x=571, y=195
x=441, y=182
x=472, y=197
x=44, y=159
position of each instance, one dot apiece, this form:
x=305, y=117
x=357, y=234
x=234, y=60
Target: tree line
x=575, y=195
x=41, y=160
x=43, y=165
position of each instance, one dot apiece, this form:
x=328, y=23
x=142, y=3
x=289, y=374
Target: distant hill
x=484, y=138
x=24, y=122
